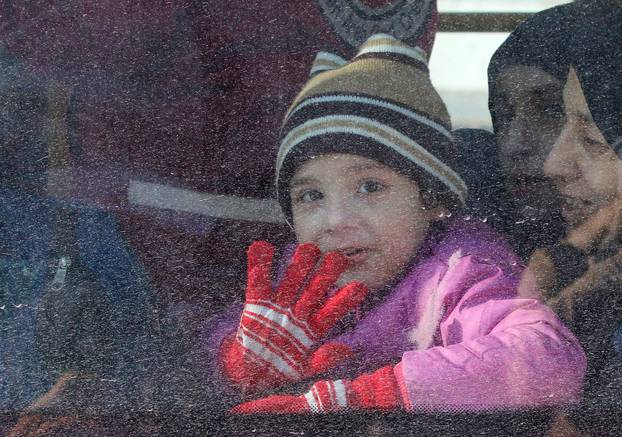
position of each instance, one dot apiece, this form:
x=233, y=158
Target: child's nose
x=339, y=215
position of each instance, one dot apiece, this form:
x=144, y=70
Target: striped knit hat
x=380, y=105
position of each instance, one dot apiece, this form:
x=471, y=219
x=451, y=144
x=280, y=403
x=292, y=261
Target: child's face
x=366, y=210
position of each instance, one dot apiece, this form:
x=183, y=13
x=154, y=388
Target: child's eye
x=370, y=187
x=308, y=196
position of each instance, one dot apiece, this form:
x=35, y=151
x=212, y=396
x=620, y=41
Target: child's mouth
x=355, y=255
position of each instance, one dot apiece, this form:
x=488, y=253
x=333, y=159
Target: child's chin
x=347, y=278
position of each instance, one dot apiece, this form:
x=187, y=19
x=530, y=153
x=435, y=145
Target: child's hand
x=374, y=391
x=279, y=331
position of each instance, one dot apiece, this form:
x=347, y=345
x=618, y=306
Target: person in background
x=526, y=76
x=398, y=306
x=580, y=275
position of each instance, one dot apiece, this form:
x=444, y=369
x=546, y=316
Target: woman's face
x=581, y=163
x=528, y=105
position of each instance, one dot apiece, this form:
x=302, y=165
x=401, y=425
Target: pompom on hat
x=380, y=105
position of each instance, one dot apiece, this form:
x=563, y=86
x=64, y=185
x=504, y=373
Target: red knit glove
x=279, y=332
x=372, y=391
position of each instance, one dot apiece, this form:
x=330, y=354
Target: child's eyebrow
x=302, y=181
x=361, y=167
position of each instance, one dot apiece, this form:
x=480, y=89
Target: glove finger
x=378, y=390
x=345, y=300
x=273, y=404
x=333, y=265
x=326, y=357
x=259, y=256
x=303, y=261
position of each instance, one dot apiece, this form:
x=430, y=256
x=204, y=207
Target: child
x=364, y=175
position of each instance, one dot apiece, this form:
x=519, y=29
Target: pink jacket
x=460, y=338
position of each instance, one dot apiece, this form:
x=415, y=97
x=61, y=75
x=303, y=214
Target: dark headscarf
x=586, y=34
x=540, y=41
x=596, y=54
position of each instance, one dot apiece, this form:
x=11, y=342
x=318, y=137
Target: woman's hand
x=599, y=229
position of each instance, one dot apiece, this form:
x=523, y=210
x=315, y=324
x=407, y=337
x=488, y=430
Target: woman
x=526, y=75
x=581, y=275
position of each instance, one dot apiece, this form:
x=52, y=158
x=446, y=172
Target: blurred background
x=460, y=59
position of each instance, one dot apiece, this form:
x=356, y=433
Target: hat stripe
x=391, y=40
x=433, y=140
x=394, y=57
x=326, y=61
x=379, y=36
x=411, y=53
x=380, y=133
x=375, y=102
x=382, y=43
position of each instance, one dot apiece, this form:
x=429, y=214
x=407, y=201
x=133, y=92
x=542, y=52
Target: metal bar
x=480, y=22
x=206, y=204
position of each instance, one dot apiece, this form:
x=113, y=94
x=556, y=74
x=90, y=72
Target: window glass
x=368, y=217
x=497, y=5
x=465, y=94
